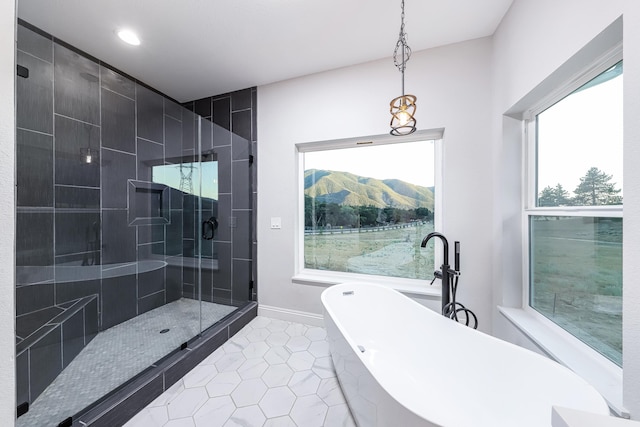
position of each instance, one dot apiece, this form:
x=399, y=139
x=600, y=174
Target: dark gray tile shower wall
x=83, y=265
x=79, y=255
x=235, y=237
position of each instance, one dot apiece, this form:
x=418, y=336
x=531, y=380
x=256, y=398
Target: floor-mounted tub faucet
x=444, y=269
x=450, y=307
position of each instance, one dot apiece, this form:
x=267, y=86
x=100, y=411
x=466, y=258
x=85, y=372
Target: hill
x=348, y=189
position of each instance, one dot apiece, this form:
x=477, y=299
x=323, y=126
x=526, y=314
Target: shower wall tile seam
x=76, y=210
x=75, y=186
x=152, y=294
x=33, y=131
x=118, y=151
x=97, y=125
x=34, y=56
x=72, y=253
x=150, y=140
x=35, y=209
x=115, y=92
x=44, y=282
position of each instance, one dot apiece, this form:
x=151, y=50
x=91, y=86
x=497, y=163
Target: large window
x=367, y=207
x=574, y=209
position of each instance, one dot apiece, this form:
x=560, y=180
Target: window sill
x=602, y=374
x=406, y=286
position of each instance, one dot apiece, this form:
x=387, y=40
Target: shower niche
x=134, y=226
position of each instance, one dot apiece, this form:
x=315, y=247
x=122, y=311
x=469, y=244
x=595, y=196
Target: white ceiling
x=196, y=48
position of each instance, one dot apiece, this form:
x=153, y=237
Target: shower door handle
x=209, y=227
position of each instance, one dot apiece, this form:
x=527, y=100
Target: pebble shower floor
x=272, y=373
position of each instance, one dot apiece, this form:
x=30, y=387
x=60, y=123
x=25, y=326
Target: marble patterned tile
x=259, y=334
x=277, y=375
x=215, y=412
x=247, y=416
x=277, y=339
x=330, y=392
x=316, y=334
x=319, y=348
x=298, y=343
x=249, y=392
x=150, y=416
x=235, y=344
x=230, y=362
x=285, y=421
x=309, y=411
x=301, y=361
x=200, y=376
x=252, y=368
x=223, y=384
x=272, y=373
x=214, y=357
x=277, y=355
x=255, y=350
x=187, y=403
x=304, y=383
x=261, y=322
x=171, y=393
x=277, y=402
x=278, y=325
x=323, y=367
x=180, y=422
x=295, y=329
x=339, y=416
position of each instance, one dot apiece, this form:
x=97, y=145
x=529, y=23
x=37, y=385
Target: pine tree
x=595, y=188
x=554, y=196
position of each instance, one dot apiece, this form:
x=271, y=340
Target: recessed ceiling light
x=129, y=37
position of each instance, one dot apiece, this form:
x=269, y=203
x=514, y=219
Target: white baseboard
x=290, y=315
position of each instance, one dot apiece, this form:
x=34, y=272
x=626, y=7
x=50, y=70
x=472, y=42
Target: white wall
x=535, y=39
x=452, y=85
x=7, y=210
x=465, y=88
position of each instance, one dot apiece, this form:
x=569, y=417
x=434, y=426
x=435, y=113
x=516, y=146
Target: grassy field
x=394, y=252
x=577, y=279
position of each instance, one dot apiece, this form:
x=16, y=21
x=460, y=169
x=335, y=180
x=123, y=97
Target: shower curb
x=126, y=401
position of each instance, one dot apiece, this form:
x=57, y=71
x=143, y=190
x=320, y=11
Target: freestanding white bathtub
x=401, y=364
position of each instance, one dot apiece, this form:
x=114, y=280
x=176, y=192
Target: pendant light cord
x=401, y=45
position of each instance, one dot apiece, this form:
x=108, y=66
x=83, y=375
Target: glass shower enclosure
x=125, y=231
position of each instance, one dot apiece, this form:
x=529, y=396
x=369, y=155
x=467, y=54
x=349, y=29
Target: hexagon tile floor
x=272, y=373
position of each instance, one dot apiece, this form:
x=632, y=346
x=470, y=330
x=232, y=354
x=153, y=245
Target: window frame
x=530, y=193
x=324, y=278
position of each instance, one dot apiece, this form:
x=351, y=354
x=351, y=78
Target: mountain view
x=344, y=188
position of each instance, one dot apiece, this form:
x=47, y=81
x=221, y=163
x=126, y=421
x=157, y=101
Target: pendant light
x=403, y=107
